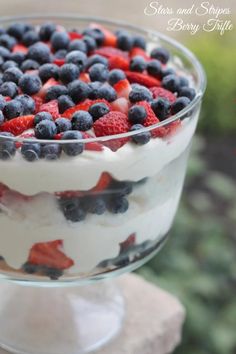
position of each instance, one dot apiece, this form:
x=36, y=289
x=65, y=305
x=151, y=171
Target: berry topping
x=161, y=108
x=39, y=117
x=138, y=63
x=18, y=125
x=68, y=72
x=8, y=89
x=98, y=72
x=54, y=92
x=63, y=124
x=60, y=40
x=31, y=151
x=142, y=79
x=115, y=76
x=139, y=93
x=64, y=102
x=163, y=93
x=161, y=54
x=137, y=114
x=140, y=138
x=187, y=92
x=82, y=121
x=124, y=41
x=122, y=88
x=78, y=58
x=51, y=107
x=12, y=74
x=96, y=59
x=47, y=71
x=30, y=84
x=29, y=64
x=171, y=83
x=7, y=147
x=154, y=68
x=39, y=52
x=13, y=109
x=46, y=129
x=78, y=91
x=72, y=149
x=77, y=44
x=51, y=151
x=46, y=31
x=98, y=110
x=30, y=38
x=179, y=104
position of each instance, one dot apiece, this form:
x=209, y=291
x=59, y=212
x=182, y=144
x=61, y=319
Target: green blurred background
x=198, y=263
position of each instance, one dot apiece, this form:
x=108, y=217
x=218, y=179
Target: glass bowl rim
x=145, y=31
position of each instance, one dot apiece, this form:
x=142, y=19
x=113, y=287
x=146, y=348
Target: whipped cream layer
x=150, y=214
x=131, y=162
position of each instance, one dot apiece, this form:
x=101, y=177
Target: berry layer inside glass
x=76, y=198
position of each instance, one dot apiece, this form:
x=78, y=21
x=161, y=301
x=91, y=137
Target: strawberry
x=70, y=194
x=103, y=183
x=139, y=51
x=74, y=35
x=123, y=88
x=3, y=189
x=163, y=93
x=19, y=48
x=28, y=135
x=32, y=72
x=110, y=52
x=84, y=106
x=110, y=124
x=110, y=38
x=59, y=62
x=84, y=77
x=118, y=62
x=51, y=82
x=38, y=102
x=142, y=79
x=50, y=254
x=92, y=146
x=7, y=98
x=129, y=242
x=120, y=104
x=50, y=107
x=17, y=126
x=151, y=120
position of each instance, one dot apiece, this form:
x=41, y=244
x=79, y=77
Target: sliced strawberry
x=50, y=254
x=20, y=48
x=142, y=79
x=7, y=98
x=112, y=123
x=59, y=62
x=163, y=93
x=118, y=63
x=84, y=77
x=129, y=242
x=25, y=136
x=70, y=194
x=51, y=107
x=110, y=52
x=139, y=51
x=110, y=38
x=92, y=146
x=123, y=88
x=3, y=189
x=58, y=136
x=38, y=103
x=74, y=35
x=84, y=106
x=121, y=105
x=17, y=126
x=103, y=183
x=51, y=82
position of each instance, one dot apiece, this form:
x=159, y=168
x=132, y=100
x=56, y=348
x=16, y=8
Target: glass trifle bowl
x=84, y=205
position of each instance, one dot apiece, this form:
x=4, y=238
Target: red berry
x=139, y=51
x=59, y=62
x=110, y=52
x=118, y=63
x=84, y=77
x=163, y=93
x=130, y=241
x=110, y=124
x=74, y=35
x=103, y=182
x=51, y=107
x=110, y=38
x=24, y=136
x=20, y=48
x=142, y=79
x=18, y=125
x=38, y=103
x=92, y=146
x=123, y=88
x=3, y=189
x=121, y=105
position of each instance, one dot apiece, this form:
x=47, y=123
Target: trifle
x=96, y=121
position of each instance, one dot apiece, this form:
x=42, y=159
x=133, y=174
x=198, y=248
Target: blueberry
x=7, y=41
x=64, y=102
x=154, y=68
x=167, y=71
x=7, y=147
x=96, y=34
x=140, y=138
x=96, y=59
x=180, y=104
x=1, y=117
x=124, y=41
x=27, y=103
x=98, y=72
x=115, y=76
x=16, y=30
x=78, y=58
x=4, y=52
x=94, y=89
x=68, y=72
x=9, y=64
x=46, y=129
x=12, y=74
x=2, y=102
x=121, y=188
x=52, y=273
x=107, y=92
x=39, y=52
x=63, y=124
x=139, y=42
x=183, y=81
x=82, y=120
x=60, y=40
x=171, y=83
x=60, y=54
x=161, y=108
x=30, y=84
x=30, y=38
x=118, y=205
x=2, y=30
x=39, y=117
x=187, y=92
x=72, y=209
x=161, y=54
x=139, y=93
x=55, y=91
x=96, y=205
x=46, y=30
x=77, y=44
x=90, y=42
x=29, y=64
x=98, y=110
x=78, y=90
x=138, y=64
x=18, y=57
x=47, y=71
x=31, y=151
x=9, y=89
x=30, y=268
x=13, y=109
x=72, y=149
x=51, y=151
x=137, y=114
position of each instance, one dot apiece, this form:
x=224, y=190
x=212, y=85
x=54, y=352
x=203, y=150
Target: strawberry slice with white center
x=121, y=105
x=123, y=88
x=17, y=126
